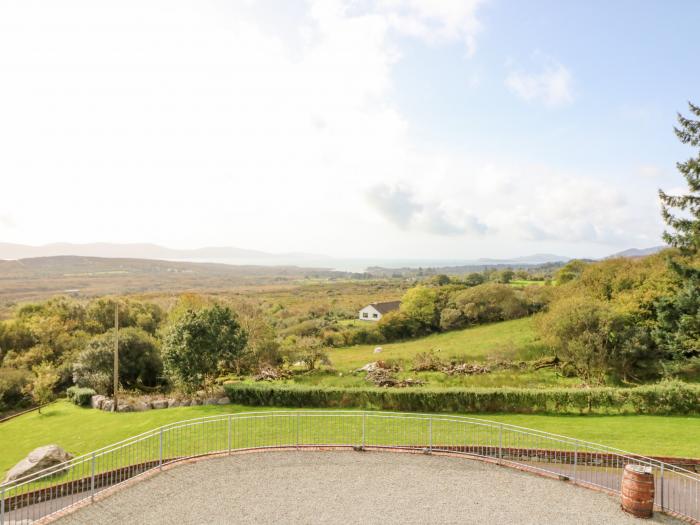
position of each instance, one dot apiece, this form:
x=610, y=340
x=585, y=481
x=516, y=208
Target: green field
x=80, y=430
x=509, y=340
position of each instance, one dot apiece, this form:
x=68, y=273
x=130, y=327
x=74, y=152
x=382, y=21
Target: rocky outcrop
x=97, y=401
x=141, y=404
x=37, y=460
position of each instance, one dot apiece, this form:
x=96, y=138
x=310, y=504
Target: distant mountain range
x=241, y=256
x=153, y=251
x=538, y=258
x=636, y=252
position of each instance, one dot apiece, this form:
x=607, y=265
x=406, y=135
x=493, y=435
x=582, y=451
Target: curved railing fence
x=588, y=464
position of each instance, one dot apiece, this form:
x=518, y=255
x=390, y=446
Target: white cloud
x=435, y=21
x=401, y=207
x=516, y=203
x=551, y=86
x=189, y=124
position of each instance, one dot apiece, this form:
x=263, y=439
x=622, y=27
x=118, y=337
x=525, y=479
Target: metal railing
x=57, y=488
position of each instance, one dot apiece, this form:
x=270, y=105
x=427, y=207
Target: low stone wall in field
x=140, y=404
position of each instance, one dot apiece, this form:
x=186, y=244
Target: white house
x=375, y=311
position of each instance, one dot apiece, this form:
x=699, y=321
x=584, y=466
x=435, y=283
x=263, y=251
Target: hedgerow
x=663, y=398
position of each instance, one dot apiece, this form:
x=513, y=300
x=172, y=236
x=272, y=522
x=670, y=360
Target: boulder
x=223, y=401
x=211, y=401
x=185, y=403
x=173, y=403
x=97, y=401
x=39, y=459
x=369, y=367
x=140, y=406
x=160, y=403
x=107, y=405
x=125, y=408
x=195, y=402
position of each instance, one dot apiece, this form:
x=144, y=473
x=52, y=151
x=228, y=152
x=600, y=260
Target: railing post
x=364, y=419
x=229, y=433
x=2, y=506
x=661, y=486
x=500, y=443
x=92, y=478
x=297, y=441
x=430, y=435
x=575, y=459
x=160, y=454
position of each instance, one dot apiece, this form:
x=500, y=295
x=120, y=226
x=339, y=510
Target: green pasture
x=507, y=340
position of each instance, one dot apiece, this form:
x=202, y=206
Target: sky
x=391, y=128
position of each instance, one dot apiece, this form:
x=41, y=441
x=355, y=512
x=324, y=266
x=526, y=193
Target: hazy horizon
x=439, y=130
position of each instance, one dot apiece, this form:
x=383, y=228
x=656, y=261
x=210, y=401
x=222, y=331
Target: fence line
x=28, y=499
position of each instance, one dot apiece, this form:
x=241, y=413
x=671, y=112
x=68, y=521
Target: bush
x=80, y=396
x=488, y=303
x=663, y=398
x=140, y=363
x=13, y=384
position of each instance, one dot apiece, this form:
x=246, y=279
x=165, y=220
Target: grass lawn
x=80, y=430
x=509, y=340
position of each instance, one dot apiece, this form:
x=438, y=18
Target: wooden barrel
x=638, y=491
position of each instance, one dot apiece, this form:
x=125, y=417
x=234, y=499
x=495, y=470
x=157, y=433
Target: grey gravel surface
x=352, y=487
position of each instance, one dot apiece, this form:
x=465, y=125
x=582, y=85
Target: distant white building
x=375, y=311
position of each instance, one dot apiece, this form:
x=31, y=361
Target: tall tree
x=678, y=317
x=684, y=232
x=202, y=344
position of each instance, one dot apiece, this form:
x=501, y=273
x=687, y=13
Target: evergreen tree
x=678, y=317
x=685, y=228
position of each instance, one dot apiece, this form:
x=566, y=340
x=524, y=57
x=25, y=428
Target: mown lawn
x=80, y=430
x=507, y=340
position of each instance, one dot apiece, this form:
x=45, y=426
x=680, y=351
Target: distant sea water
x=340, y=265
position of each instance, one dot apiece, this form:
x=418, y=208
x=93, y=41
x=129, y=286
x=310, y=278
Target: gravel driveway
x=351, y=487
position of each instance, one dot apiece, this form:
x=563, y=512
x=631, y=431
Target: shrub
x=203, y=344
x=489, y=303
x=663, y=398
x=80, y=396
x=44, y=384
x=140, y=363
x=398, y=325
x=13, y=384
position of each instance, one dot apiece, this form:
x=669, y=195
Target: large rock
x=160, y=403
x=39, y=459
x=211, y=401
x=107, y=405
x=97, y=401
x=223, y=401
x=185, y=402
x=173, y=403
x=140, y=406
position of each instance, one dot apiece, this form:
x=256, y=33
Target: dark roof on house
x=388, y=306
